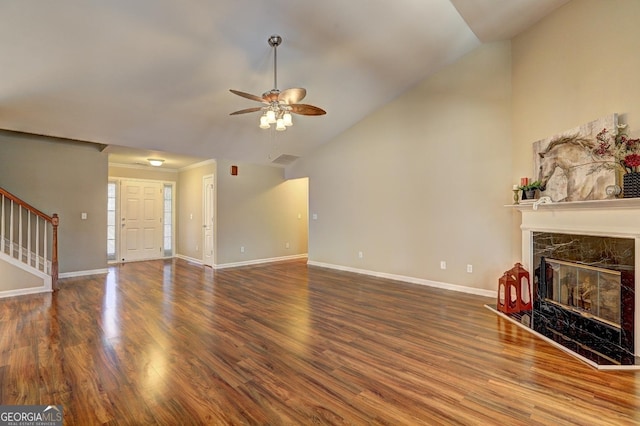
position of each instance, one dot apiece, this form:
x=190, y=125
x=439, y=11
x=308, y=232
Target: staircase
x=28, y=242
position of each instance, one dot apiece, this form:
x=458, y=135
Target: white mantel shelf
x=613, y=204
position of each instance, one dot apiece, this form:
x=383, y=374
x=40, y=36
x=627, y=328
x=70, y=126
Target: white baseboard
x=245, y=263
x=23, y=291
x=412, y=280
x=260, y=261
x=190, y=259
x=83, y=273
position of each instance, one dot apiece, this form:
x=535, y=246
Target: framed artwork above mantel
x=568, y=168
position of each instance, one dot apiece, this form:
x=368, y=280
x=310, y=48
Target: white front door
x=208, y=219
x=141, y=220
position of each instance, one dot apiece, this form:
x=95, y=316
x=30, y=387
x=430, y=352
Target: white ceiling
x=155, y=75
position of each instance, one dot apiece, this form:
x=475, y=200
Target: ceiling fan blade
x=292, y=96
x=247, y=95
x=304, y=109
x=244, y=111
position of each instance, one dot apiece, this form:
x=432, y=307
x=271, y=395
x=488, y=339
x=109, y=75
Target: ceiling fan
x=278, y=105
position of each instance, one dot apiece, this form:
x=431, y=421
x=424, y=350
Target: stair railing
x=29, y=235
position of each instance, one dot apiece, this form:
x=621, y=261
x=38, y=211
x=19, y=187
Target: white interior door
x=208, y=219
x=141, y=220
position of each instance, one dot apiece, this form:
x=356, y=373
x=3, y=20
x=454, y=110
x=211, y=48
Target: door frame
x=208, y=260
x=118, y=229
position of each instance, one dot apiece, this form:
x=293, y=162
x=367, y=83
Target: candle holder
x=515, y=196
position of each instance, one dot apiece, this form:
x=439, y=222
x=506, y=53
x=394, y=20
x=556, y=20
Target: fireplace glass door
x=586, y=289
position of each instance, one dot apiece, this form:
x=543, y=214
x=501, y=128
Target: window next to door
x=111, y=220
x=168, y=220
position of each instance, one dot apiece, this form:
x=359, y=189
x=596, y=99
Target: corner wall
x=261, y=211
x=189, y=235
x=422, y=180
x=578, y=64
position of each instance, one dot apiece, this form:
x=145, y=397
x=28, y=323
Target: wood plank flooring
x=172, y=343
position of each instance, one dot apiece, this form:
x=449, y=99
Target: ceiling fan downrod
x=274, y=41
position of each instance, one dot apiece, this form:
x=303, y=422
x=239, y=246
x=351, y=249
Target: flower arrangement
x=624, y=150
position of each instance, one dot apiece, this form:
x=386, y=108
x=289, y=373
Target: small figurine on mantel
x=516, y=197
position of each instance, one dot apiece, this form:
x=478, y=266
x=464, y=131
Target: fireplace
x=584, y=297
x=582, y=258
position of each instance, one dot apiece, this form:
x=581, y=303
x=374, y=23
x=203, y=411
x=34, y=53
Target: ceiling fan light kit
x=278, y=105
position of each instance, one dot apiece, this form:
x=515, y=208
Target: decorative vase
x=528, y=194
x=631, y=185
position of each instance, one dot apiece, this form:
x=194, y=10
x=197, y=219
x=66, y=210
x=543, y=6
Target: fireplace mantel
x=618, y=203
x=613, y=218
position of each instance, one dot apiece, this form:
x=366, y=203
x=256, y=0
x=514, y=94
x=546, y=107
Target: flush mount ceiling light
x=278, y=106
x=156, y=162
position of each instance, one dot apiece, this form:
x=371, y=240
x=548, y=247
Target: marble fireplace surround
x=618, y=218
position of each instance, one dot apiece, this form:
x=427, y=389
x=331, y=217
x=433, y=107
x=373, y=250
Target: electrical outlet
x=470, y=268
x=443, y=264
x=242, y=249
x=286, y=245
x=360, y=255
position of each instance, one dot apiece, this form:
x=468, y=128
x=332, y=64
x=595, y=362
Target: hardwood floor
x=168, y=342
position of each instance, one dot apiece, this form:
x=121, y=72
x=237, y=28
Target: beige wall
x=579, y=64
x=147, y=173
x=189, y=232
x=260, y=211
x=64, y=178
x=421, y=180
x=14, y=278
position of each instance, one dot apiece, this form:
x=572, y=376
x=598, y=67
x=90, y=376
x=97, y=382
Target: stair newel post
x=54, y=251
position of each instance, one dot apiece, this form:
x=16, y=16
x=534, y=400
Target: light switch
x=83, y=216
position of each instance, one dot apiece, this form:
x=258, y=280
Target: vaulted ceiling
x=154, y=75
